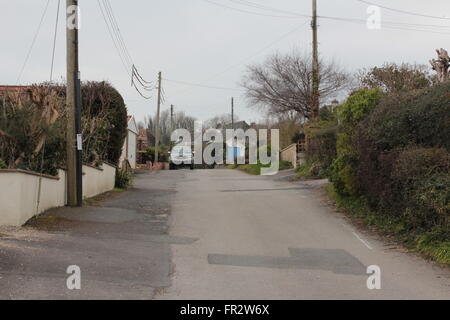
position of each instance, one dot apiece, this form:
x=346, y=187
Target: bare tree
x=392, y=77
x=220, y=121
x=180, y=121
x=441, y=65
x=283, y=83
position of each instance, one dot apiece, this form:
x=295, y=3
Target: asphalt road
x=264, y=238
x=209, y=234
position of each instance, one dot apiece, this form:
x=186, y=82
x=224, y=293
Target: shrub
x=104, y=120
x=3, y=164
x=150, y=154
x=321, y=147
x=343, y=170
x=123, y=179
x=398, y=158
x=33, y=126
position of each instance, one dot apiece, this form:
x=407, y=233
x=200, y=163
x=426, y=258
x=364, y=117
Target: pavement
x=210, y=234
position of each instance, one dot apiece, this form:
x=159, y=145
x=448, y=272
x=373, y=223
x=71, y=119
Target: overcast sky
x=198, y=42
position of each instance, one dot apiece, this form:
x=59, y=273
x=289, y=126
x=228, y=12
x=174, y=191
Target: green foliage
x=321, y=150
x=433, y=244
x=357, y=107
x=396, y=158
x=33, y=126
x=104, y=122
x=255, y=169
x=3, y=164
x=393, y=78
x=150, y=153
x=123, y=179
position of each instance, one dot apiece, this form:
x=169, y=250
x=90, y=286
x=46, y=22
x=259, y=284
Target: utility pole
x=315, y=105
x=73, y=100
x=232, y=126
x=171, y=117
x=157, y=133
x=232, y=113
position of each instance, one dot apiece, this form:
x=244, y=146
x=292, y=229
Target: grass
x=431, y=245
x=255, y=169
x=94, y=201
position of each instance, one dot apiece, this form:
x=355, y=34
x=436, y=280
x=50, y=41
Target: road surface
x=209, y=234
x=262, y=238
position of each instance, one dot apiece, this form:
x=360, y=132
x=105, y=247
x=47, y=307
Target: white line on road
x=362, y=240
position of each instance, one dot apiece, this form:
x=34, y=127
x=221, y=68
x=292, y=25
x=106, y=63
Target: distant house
x=142, y=140
x=130, y=145
x=235, y=148
x=23, y=91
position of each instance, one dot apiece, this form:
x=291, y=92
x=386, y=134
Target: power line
x=393, y=25
x=33, y=42
x=54, y=40
x=122, y=50
x=403, y=11
x=257, y=52
x=267, y=8
x=200, y=85
x=118, y=33
x=250, y=12
x=113, y=38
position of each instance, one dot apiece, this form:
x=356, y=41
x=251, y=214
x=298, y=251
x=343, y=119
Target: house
x=235, y=148
x=129, y=149
x=142, y=140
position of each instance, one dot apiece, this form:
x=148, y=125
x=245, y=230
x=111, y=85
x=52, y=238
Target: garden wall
x=289, y=154
x=19, y=191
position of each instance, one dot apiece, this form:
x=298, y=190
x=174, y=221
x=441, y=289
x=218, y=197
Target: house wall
x=19, y=191
x=290, y=154
x=132, y=145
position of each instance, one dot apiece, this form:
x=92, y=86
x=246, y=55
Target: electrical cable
x=33, y=42
x=54, y=40
x=403, y=11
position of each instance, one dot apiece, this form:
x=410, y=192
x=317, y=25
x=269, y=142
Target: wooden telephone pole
x=232, y=126
x=73, y=101
x=232, y=113
x=157, y=133
x=315, y=105
x=171, y=117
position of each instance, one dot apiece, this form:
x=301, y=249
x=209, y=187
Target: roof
x=132, y=126
x=4, y=88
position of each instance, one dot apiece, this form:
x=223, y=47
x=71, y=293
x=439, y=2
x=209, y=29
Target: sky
x=210, y=42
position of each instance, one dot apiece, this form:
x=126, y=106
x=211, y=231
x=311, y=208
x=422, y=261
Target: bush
x=150, y=154
x=33, y=126
x=105, y=119
x=343, y=170
x=123, y=179
x=3, y=164
x=321, y=147
x=397, y=157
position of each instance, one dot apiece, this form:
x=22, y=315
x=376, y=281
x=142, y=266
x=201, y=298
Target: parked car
x=181, y=156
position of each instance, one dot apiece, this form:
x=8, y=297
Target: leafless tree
x=392, y=77
x=220, y=121
x=283, y=83
x=441, y=65
x=180, y=121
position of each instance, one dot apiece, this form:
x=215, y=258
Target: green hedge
x=393, y=150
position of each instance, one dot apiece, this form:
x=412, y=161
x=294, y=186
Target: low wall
x=98, y=180
x=19, y=191
x=290, y=154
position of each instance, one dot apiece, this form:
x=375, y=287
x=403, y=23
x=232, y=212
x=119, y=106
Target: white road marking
x=362, y=240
